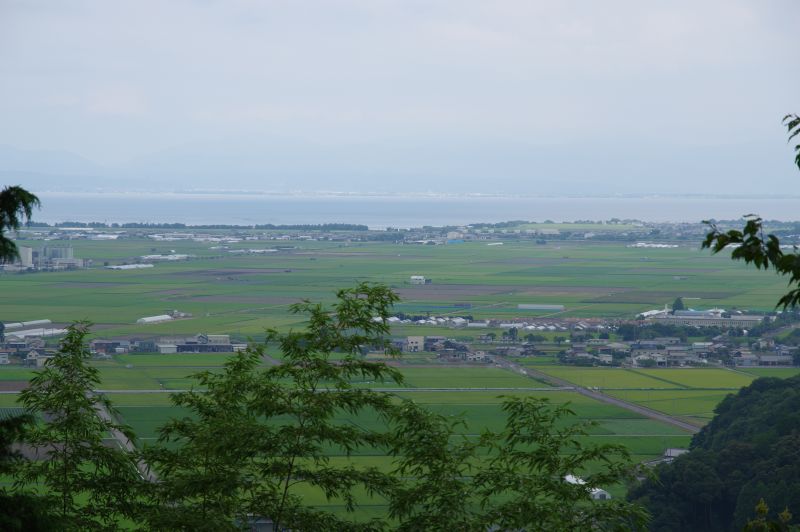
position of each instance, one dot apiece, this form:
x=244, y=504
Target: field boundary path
x=127, y=445
x=598, y=396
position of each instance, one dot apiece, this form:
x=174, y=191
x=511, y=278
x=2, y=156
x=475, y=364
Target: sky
x=455, y=96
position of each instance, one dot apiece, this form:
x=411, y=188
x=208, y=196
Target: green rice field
x=688, y=393
x=693, y=405
x=781, y=373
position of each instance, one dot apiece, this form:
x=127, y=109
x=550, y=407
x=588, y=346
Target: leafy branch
x=764, y=251
x=15, y=202
x=792, y=123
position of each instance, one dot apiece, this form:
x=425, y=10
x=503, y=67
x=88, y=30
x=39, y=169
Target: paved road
x=598, y=396
x=126, y=444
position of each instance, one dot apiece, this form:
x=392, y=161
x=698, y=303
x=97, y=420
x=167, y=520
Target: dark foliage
x=20, y=510
x=92, y=485
x=508, y=480
x=258, y=435
x=749, y=451
x=792, y=123
x=16, y=203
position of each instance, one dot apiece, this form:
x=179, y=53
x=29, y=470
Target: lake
x=379, y=212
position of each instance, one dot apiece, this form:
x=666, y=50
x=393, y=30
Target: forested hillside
x=749, y=451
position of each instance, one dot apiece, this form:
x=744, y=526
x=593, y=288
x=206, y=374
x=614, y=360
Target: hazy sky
x=457, y=95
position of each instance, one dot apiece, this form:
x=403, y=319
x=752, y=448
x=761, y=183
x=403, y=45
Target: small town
x=725, y=339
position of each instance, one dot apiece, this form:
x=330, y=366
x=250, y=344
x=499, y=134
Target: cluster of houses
x=32, y=352
x=446, y=348
x=524, y=324
x=28, y=351
x=25, y=341
x=672, y=351
x=200, y=343
x=658, y=352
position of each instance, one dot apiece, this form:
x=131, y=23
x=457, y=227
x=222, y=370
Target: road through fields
x=598, y=396
x=127, y=445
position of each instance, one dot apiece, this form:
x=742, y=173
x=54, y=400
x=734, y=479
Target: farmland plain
x=242, y=295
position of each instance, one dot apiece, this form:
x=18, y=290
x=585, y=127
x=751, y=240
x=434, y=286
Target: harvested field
x=12, y=386
x=250, y=300
x=238, y=271
x=438, y=292
x=648, y=297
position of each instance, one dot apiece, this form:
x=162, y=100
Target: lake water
x=393, y=211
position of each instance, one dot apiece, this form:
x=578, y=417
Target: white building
x=155, y=319
x=167, y=349
x=418, y=279
x=130, y=266
x=595, y=493
x=38, y=332
x=32, y=323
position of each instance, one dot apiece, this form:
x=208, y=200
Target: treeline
x=137, y=225
x=255, y=445
x=750, y=451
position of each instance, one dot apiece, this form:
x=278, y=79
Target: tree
x=19, y=510
x=754, y=247
x=259, y=438
x=531, y=338
x=749, y=451
x=92, y=484
x=513, y=333
x=761, y=523
x=792, y=123
x=678, y=304
x=15, y=203
x=515, y=479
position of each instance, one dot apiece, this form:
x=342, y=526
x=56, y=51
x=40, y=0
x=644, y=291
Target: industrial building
x=201, y=343
x=45, y=258
x=708, y=318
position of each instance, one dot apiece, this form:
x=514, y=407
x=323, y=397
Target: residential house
x=414, y=344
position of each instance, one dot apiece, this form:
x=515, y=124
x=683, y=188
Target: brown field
x=436, y=292
x=645, y=297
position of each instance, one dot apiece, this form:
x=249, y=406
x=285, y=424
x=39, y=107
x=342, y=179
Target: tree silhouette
x=754, y=247
x=15, y=203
